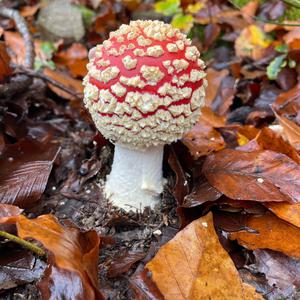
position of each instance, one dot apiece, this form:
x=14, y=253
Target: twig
x=31, y=73
x=23, y=29
x=32, y=247
x=18, y=83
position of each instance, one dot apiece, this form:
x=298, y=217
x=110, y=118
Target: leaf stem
x=32, y=247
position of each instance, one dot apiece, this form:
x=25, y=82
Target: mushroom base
x=136, y=180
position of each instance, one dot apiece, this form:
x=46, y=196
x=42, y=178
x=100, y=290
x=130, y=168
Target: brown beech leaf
x=214, y=79
x=66, y=80
x=193, y=265
x=259, y=175
x=291, y=131
x=269, y=232
x=124, y=263
x=203, y=139
x=286, y=211
x=24, y=171
x=75, y=256
x=74, y=58
x=5, y=69
x=288, y=102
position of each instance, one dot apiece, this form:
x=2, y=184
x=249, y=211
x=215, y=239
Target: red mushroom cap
x=145, y=84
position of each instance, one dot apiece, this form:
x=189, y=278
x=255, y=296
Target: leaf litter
x=53, y=165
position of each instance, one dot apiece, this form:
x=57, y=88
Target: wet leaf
x=124, y=263
x=17, y=268
x=269, y=232
x=24, y=171
x=254, y=176
x=75, y=256
x=286, y=211
x=184, y=269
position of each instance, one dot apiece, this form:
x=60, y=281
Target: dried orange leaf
x=271, y=233
x=286, y=211
x=193, y=265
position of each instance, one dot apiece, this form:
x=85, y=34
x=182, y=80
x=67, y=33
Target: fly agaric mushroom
x=144, y=89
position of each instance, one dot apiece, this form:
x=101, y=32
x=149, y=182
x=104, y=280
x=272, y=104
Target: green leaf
x=282, y=48
x=275, y=66
x=87, y=14
x=167, y=7
x=183, y=22
x=48, y=49
x=295, y=3
x=38, y=64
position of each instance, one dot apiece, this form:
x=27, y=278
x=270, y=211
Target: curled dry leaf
x=193, y=265
x=75, y=256
x=24, y=171
x=261, y=175
x=269, y=232
x=286, y=211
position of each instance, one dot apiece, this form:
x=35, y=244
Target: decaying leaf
x=75, y=256
x=270, y=232
x=259, y=175
x=5, y=69
x=193, y=265
x=24, y=171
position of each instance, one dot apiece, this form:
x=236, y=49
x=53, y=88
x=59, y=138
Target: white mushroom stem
x=136, y=179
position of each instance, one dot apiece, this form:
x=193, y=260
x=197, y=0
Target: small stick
x=24, y=31
x=18, y=83
x=52, y=81
x=32, y=247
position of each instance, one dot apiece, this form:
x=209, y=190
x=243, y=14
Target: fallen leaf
x=259, y=175
x=29, y=10
x=211, y=33
x=292, y=39
x=123, y=264
x=7, y=210
x=74, y=58
x=203, y=139
x=249, y=10
x=214, y=79
x=24, y=171
x=291, y=131
x=193, y=265
x=252, y=42
x=5, y=69
x=280, y=270
x=269, y=232
x=285, y=211
x=63, y=78
x=288, y=102
x=75, y=256
x=17, y=268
